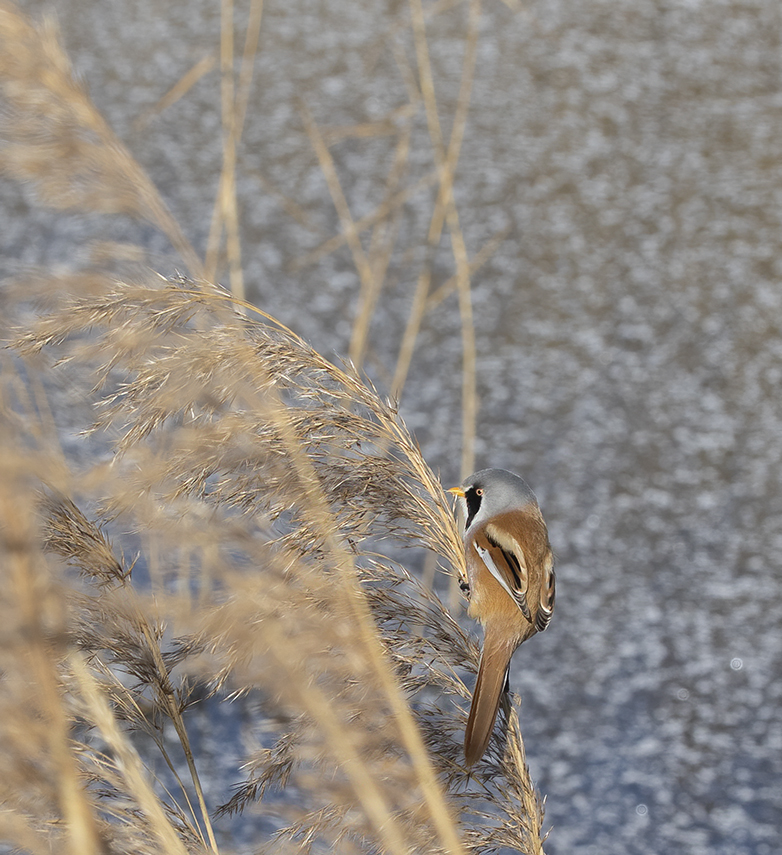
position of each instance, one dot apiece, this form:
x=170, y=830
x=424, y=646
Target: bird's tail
x=486, y=697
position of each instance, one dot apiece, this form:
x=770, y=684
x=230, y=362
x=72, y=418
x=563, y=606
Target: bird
x=510, y=584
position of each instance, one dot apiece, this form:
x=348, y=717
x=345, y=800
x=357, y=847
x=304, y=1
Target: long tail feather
x=486, y=697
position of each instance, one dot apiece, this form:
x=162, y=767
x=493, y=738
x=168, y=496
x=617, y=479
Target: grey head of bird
x=490, y=492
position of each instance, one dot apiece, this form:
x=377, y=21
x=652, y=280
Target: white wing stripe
x=492, y=568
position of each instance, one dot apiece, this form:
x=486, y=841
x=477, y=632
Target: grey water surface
x=628, y=329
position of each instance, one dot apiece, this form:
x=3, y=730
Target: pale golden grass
x=234, y=101
x=420, y=89
x=381, y=213
x=50, y=120
x=177, y=91
x=366, y=272
x=445, y=209
x=260, y=492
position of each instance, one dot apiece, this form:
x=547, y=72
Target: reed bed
x=195, y=504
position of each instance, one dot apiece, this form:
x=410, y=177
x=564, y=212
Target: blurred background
x=619, y=198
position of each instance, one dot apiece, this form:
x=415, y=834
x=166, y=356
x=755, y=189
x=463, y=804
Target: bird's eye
x=479, y=491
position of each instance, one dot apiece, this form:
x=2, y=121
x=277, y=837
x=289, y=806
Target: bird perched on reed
x=510, y=573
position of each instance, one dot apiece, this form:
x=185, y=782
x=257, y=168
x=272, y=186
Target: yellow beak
x=457, y=491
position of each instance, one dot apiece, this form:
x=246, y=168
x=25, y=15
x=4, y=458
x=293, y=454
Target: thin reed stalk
x=447, y=205
x=366, y=273
x=386, y=208
x=384, y=236
x=234, y=101
x=52, y=123
x=178, y=91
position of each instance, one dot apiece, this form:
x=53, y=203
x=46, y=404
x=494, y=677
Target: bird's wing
x=547, y=594
x=508, y=566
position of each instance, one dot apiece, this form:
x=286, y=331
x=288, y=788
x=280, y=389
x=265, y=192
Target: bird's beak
x=457, y=491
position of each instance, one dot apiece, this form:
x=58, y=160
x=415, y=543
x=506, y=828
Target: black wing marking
x=547, y=595
x=518, y=569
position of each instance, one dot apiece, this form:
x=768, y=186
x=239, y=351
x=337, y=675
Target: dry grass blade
x=369, y=285
x=480, y=258
x=234, y=109
x=451, y=158
x=446, y=203
x=56, y=138
x=252, y=37
x=129, y=761
x=177, y=91
x=35, y=614
x=416, y=316
x=380, y=249
x=424, y=301
x=380, y=213
x=387, y=126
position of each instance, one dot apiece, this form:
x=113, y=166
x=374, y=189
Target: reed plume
x=266, y=498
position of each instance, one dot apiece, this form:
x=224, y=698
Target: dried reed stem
x=366, y=274
x=231, y=131
x=380, y=249
x=17, y=542
x=89, y=168
x=175, y=714
x=251, y=40
x=446, y=201
x=410, y=336
x=448, y=167
x=318, y=511
x=132, y=767
x=533, y=809
x=478, y=260
x=234, y=101
x=382, y=211
x=177, y=91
